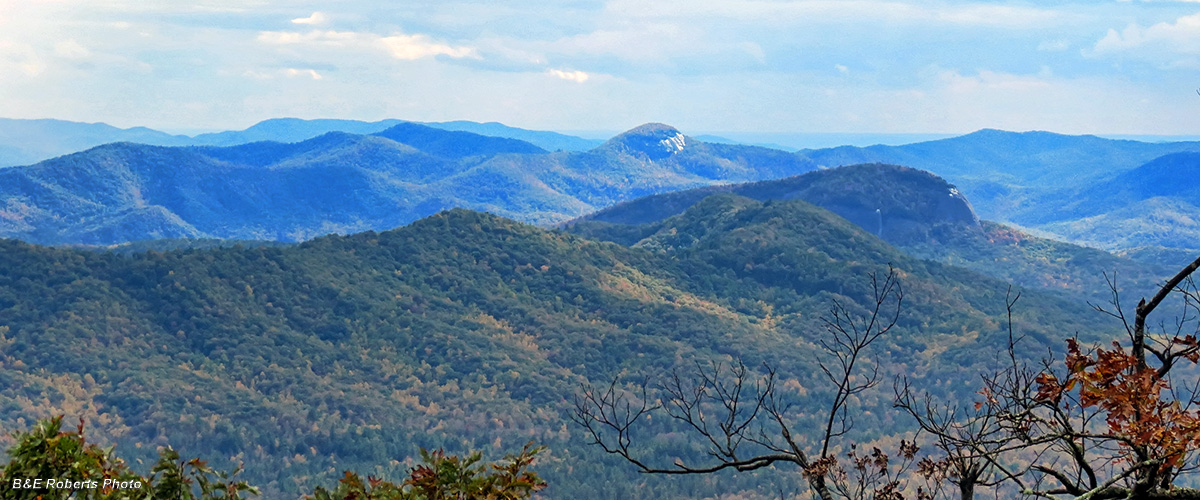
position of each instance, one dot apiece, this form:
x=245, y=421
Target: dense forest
x=467, y=331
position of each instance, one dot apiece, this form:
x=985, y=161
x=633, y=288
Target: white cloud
x=648, y=43
x=1181, y=36
x=71, y=49
x=399, y=46
x=21, y=56
x=755, y=50
x=720, y=64
x=272, y=74
x=574, y=76
x=335, y=38
x=293, y=72
x=412, y=47
x=316, y=19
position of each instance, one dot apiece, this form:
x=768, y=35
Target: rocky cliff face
x=652, y=141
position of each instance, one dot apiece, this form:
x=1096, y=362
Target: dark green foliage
x=49, y=453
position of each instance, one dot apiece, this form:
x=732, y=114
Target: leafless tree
x=1101, y=424
x=744, y=421
x=971, y=439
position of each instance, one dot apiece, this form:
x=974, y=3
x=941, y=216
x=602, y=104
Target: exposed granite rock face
x=652, y=141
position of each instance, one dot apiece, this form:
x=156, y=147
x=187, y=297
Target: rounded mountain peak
x=655, y=141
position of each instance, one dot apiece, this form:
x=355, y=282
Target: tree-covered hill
x=896, y=203
x=465, y=330
x=918, y=212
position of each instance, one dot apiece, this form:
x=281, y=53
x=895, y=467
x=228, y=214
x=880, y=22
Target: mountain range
x=345, y=183
x=1001, y=170
x=1155, y=205
x=1114, y=194
x=437, y=326
x=1119, y=195
x=24, y=142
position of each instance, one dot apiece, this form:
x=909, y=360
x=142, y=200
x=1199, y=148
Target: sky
x=768, y=66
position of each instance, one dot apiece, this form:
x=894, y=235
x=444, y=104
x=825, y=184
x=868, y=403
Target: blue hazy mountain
x=1003, y=172
x=1153, y=209
x=1009, y=177
x=550, y=141
x=290, y=130
x=1030, y=157
x=28, y=141
x=342, y=183
x=24, y=142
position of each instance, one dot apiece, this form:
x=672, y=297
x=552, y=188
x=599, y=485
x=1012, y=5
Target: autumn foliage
x=448, y=477
x=1146, y=426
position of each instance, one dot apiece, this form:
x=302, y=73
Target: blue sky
x=1106, y=67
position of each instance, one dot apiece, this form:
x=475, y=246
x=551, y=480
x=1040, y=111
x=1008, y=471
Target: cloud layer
x=702, y=65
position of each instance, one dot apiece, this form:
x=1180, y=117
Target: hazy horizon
x=784, y=140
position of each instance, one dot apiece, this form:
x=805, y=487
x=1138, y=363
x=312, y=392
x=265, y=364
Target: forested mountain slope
x=466, y=330
x=917, y=211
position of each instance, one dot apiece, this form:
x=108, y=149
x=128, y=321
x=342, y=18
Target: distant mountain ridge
x=290, y=130
x=343, y=183
x=1027, y=156
x=24, y=142
x=1112, y=194
x=1024, y=178
x=1002, y=171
